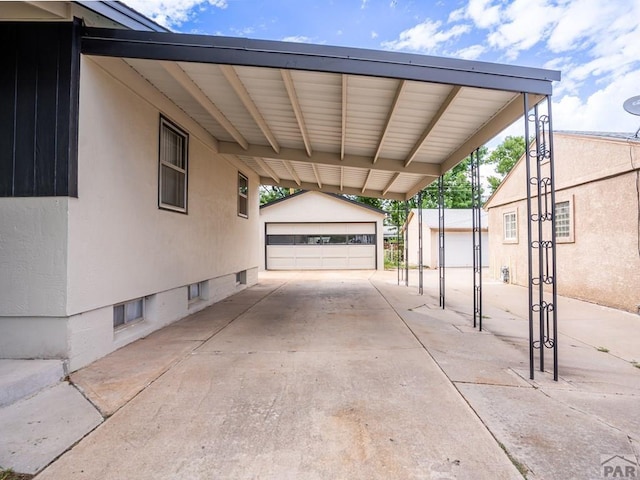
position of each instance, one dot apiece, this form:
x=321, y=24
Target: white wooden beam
x=234, y=80
x=316, y=174
x=434, y=121
x=267, y=169
x=198, y=95
x=330, y=189
x=502, y=120
x=291, y=170
x=344, y=116
x=330, y=158
x=392, y=111
x=391, y=182
x=297, y=110
x=366, y=182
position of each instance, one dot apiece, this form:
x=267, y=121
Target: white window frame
x=128, y=310
x=569, y=238
x=164, y=163
x=511, y=238
x=243, y=194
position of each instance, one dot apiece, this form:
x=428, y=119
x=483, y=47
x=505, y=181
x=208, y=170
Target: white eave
x=332, y=119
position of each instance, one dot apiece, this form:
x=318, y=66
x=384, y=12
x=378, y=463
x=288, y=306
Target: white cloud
x=601, y=111
x=483, y=13
x=297, y=39
x=171, y=13
x=470, y=53
x=524, y=23
x=425, y=37
x=374, y=34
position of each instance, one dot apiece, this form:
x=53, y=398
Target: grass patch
x=603, y=349
x=9, y=474
x=516, y=463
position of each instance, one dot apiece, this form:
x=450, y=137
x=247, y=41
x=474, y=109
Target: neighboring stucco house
x=318, y=231
x=458, y=237
x=597, y=219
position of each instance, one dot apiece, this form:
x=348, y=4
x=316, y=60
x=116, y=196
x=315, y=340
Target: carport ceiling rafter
x=334, y=119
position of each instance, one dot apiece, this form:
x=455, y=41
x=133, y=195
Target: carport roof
x=332, y=119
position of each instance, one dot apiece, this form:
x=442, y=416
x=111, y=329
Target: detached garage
x=321, y=231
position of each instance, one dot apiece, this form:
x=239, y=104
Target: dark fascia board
x=123, y=14
x=320, y=58
x=334, y=195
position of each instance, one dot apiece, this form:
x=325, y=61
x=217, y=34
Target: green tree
x=372, y=202
x=504, y=157
x=270, y=193
x=457, y=192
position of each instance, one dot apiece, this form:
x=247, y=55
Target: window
x=172, y=182
x=510, y=227
x=194, y=291
x=564, y=230
x=361, y=239
x=243, y=195
x=128, y=312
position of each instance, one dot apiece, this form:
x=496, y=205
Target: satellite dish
x=632, y=105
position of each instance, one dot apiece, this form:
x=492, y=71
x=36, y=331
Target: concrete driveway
x=305, y=376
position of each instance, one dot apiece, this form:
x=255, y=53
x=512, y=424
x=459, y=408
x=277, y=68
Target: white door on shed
x=458, y=247
x=321, y=246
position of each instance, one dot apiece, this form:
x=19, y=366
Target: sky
x=594, y=43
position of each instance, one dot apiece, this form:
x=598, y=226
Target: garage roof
x=331, y=119
x=332, y=195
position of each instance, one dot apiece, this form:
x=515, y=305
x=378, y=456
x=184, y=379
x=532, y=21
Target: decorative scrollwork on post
x=476, y=205
x=543, y=325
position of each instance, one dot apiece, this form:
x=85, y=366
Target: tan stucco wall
x=602, y=263
x=67, y=261
x=116, y=224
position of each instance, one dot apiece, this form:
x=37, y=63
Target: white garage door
x=321, y=246
x=459, y=249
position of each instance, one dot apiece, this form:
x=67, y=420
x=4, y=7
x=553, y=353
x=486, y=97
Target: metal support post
x=541, y=228
x=406, y=244
x=420, y=260
x=476, y=204
x=441, y=238
x=398, y=240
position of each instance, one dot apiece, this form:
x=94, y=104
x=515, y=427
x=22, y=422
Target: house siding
x=112, y=243
x=601, y=262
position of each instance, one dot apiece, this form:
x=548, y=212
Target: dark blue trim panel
x=39, y=87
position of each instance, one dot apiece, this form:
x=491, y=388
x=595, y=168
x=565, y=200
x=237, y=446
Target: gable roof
x=333, y=195
x=627, y=137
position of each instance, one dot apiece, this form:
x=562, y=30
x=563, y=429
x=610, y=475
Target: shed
x=458, y=230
